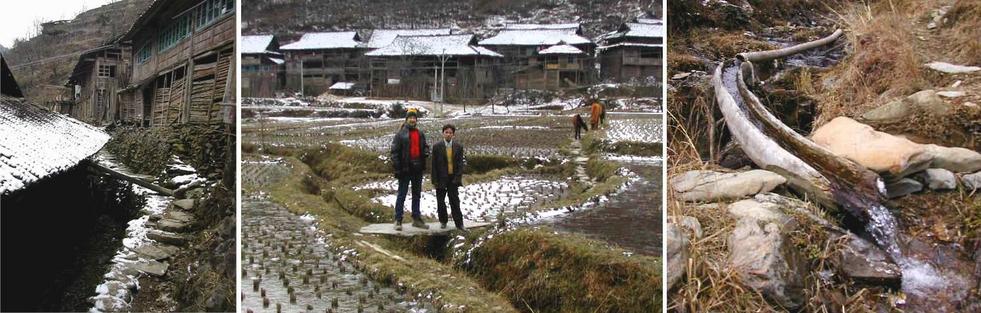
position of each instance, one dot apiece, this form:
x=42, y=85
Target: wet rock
x=109, y=304
x=865, y=263
x=939, y=179
x=690, y=223
x=972, y=182
x=114, y=289
x=891, y=156
x=948, y=68
x=956, y=159
x=166, y=237
x=763, y=211
x=765, y=260
x=677, y=253
x=709, y=185
x=184, y=204
x=926, y=101
x=155, y=251
x=902, y=187
x=150, y=267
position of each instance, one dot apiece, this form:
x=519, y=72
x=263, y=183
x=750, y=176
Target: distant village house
x=633, y=52
x=263, y=66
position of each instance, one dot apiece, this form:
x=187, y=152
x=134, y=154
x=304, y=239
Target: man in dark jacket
x=448, y=166
x=408, y=155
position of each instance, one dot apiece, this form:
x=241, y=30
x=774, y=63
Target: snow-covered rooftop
x=36, y=143
x=561, y=49
x=384, y=37
x=454, y=45
x=645, y=30
x=535, y=37
x=327, y=40
x=341, y=86
x=650, y=21
x=629, y=44
x=254, y=44
x=541, y=26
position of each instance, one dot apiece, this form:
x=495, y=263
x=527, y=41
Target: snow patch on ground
x=485, y=201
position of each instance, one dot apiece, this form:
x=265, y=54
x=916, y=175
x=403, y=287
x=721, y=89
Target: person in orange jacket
x=596, y=112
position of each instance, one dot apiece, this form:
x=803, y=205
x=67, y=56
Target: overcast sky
x=17, y=16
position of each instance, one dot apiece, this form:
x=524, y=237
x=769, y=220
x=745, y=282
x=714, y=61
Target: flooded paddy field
x=602, y=202
x=288, y=267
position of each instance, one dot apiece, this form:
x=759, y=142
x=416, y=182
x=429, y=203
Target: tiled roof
x=383, y=37
x=432, y=45
x=254, y=44
x=36, y=143
x=327, y=40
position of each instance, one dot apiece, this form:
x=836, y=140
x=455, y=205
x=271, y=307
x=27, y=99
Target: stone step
x=167, y=237
x=183, y=204
x=150, y=267
x=171, y=225
x=155, y=251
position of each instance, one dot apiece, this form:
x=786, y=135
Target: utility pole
x=442, y=80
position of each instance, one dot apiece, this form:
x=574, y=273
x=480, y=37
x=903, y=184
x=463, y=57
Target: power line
x=45, y=60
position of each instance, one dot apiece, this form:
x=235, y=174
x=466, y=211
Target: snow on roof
x=541, y=26
x=535, y=37
x=254, y=44
x=432, y=45
x=383, y=37
x=645, y=30
x=327, y=40
x=650, y=21
x=341, y=86
x=277, y=60
x=629, y=44
x=36, y=143
x=561, y=49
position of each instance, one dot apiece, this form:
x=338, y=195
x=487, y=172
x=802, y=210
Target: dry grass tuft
x=964, y=34
x=882, y=65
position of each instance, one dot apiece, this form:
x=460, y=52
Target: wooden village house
x=319, y=60
x=436, y=67
x=633, y=52
x=183, y=54
x=263, y=68
x=93, y=85
x=543, y=56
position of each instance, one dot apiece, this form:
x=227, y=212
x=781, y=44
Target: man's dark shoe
x=417, y=223
x=462, y=230
x=442, y=225
x=398, y=225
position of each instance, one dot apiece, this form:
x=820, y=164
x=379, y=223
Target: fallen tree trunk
x=830, y=180
x=788, y=51
x=99, y=169
x=760, y=148
x=852, y=186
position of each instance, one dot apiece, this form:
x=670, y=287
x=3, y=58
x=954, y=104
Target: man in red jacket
x=408, y=155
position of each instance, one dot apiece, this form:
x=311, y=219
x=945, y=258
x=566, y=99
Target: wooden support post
x=99, y=169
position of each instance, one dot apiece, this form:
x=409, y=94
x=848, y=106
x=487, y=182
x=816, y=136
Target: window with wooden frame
x=651, y=53
x=107, y=71
x=143, y=54
x=174, y=33
x=210, y=11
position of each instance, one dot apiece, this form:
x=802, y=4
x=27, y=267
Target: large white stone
x=710, y=185
x=893, y=157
